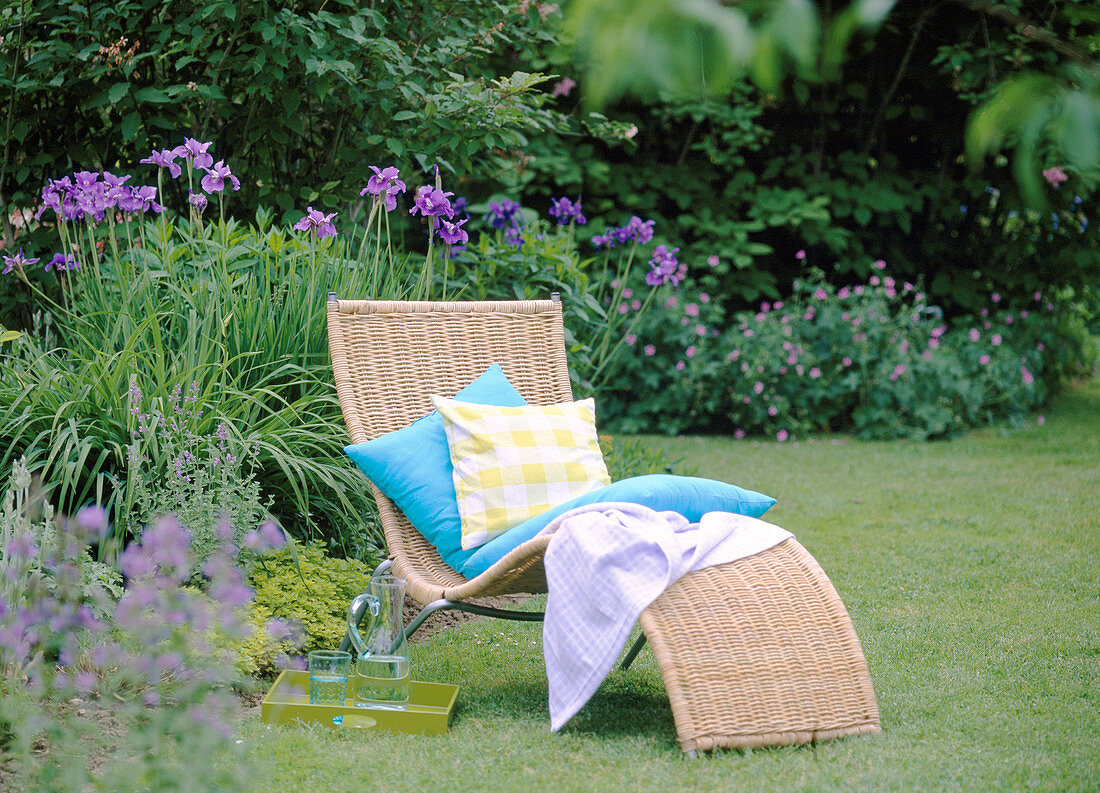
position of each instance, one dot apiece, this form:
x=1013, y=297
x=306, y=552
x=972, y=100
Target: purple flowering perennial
x=166, y=158
x=63, y=263
x=385, y=185
x=665, y=269
x=214, y=181
x=503, y=214
x=451, y=234
x=317, y=222
x=198, y=201
x=195, y=153
x=432, y=202
x=567, y=211
x=16, y=262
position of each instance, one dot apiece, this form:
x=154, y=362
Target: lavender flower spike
x=214, y=181
x=166, y=158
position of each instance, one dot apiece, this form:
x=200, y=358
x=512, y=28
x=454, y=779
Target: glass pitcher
x=382, y=668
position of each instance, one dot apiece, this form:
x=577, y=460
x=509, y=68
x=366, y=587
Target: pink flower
x=1008, y=319
x=875, y=280
x=564, y=86
x=670, y=303
x=933, y=343
x=1041, y=420
x=635, y=304
x=649, y=349
x=1028, y=377
x=712, y=260
x=937, y=332
x=1055, y=176
x=704, y=297
x=800, y=255
x=680, y=365
x=844, y=293
x=1038, y=297
x=879, y=264
x=846, y=361
x=700, y=330
x=631, y=339
x=996, y=340
x=820, y=294
x=691, y=309
x=782, y=435
x=815, y=373
x=738, y=434
x=628, y=293
x=623, y=308
x=749, y=332
x=808, y=316
x=758, y=387
x=690, y=351
x=926, y=355
x=772, y=410
x=765, y=308
x=995, y=297
x=984, y=360
x=974, y=334
x=899, y=370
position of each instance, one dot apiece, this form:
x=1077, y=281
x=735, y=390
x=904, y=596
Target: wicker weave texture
x=388, y=357
x=760, y=651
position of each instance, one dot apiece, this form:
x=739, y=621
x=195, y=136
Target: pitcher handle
x=355, y=613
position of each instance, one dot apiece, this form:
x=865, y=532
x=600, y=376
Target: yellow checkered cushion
x=512, y=463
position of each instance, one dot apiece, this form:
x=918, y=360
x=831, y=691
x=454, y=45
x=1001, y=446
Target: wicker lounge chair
x=756, y=652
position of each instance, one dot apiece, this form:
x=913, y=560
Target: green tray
x=428, y=712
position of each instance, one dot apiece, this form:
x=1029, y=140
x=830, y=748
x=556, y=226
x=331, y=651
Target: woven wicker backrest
x=389, y=356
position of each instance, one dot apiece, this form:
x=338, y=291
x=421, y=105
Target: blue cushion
x=413, y=467
x=690, y=496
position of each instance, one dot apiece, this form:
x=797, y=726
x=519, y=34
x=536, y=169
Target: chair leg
x=633, y=653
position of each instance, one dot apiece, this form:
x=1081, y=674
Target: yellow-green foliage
x=315, y=602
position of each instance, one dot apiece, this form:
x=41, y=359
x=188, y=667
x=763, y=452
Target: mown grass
x=970, y=569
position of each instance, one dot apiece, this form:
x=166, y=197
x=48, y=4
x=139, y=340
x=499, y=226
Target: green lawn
x=971, y=569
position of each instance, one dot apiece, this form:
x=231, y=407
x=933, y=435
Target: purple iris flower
x=54, y=195
x=565, y=211
x=317, y=222
x=503, y=213
x=607, y=239
x=165, y=158
x=195, y=153
x=641, y=231
x=85, y=179
x=139, y=199
x=384, y=180
x=451, y=234
x=385, y=183
x=513, y=235
x=197, y=200
x=665, y=268
x=432, y=202
x=63, y=263
x=16, y=262
x=214, y=181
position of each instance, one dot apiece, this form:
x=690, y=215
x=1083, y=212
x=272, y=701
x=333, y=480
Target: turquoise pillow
x=690, y=496
x=413, y=467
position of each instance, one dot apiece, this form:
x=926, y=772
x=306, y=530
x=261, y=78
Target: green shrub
x=874, y=358
x=308, y=590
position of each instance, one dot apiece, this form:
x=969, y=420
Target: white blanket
x=604, y=565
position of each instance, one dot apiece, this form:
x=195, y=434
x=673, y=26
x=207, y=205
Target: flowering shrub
x=874, y=358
